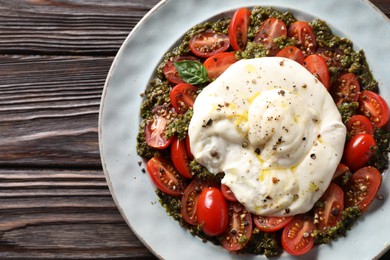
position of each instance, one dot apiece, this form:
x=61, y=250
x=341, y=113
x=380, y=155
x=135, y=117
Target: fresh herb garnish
x=192, y=72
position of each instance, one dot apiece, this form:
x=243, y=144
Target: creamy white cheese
x=273, y=129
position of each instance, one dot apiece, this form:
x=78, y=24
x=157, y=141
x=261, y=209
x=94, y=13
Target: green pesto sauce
x=179, y=127
x=350, y=215
x=351, y=61
x=380, y=158
x=157, y=94
x=263, y=243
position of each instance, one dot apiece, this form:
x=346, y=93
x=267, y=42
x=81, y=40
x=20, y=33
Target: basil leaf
x=192, y=72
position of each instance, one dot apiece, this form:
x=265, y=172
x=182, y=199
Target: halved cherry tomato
x=182, y=97
x=155, y=132
x=271, y=224
x=180, y=158
x=212, y=211
x=346, y=89
x=228, y=193
x=238, y=28
x=340, y=171
x=362, y=187
x=296, y=236
x=189, y=200
x=170, y=71
x=292, y=53
x=332, y=56
x=358, y=151
x=359, y=124
x=165, y=177
x=317, y=66
x=239, y=230
x=208, y=43
x=329, y=208
x=269, y=30
x=374, y=107
x=188, y=148
x=218, y=63
x=304, y=34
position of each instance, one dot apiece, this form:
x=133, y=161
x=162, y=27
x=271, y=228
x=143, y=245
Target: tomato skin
x=316, y=65
x=212, y=211
x=358, y=151
x=271, y=224
x=238, y=28
x=296, y=236
x=374, y=107
x=270, y=29
x=180, y=158
x=155, y=133
x=189, y=200
x=218, y=63
x=362, y=187
x=359, y=124
x=227, y=193
x=188, y=148
x=292, y=53
x=183, y=97
x=304, y=34
x=346, y=89
x=165, y=177
x=240, y=225
x=330, y=213
x=208, y=43
x=341, y=170
x=170, y=71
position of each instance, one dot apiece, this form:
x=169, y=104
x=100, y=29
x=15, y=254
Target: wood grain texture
x=49, y=109
x=54, y=58
x=73, y=26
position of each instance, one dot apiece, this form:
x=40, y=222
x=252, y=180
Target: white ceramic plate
x=135, y=64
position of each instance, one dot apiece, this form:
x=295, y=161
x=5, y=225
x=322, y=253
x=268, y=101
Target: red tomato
x=182, y=97
x=374, y=107
x=331, y=208
x=271, y=224
x=180, y=158
x=292, y=53
x=170, y=71
x=346, y=89
x=165, y=177
x=331, y=56
x=218, y=63
x=238, y=29
x=212, y=211
x=296, y=236
x=317, y=66
x=359, y=124
x=239, y=230
x=228, y=193
x=304, y=34
x=358, y=151
x=269, y=30
x=155, y=133
x=208, y=43
x=340, y=170
x=189, y=200
x=362, y=187
x=188, y=148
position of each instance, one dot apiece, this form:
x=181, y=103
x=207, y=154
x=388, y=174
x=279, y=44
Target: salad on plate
x=264, y=133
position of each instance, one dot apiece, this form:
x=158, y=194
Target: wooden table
x=54, y=58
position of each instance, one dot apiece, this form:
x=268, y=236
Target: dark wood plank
x=72, y=26
x=49, y=109
x=62, y=213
